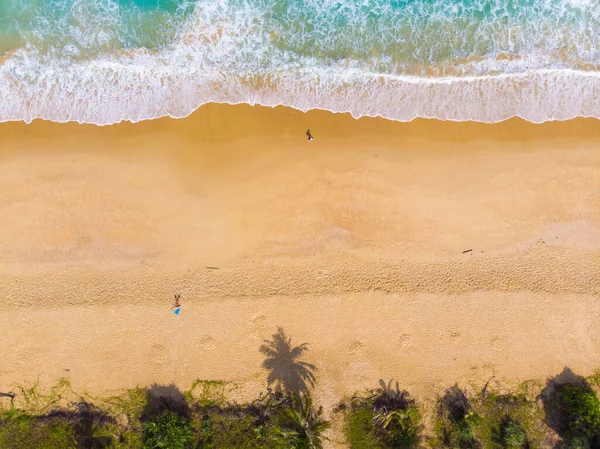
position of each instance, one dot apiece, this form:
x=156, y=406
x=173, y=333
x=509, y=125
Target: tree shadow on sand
x=458, y=420
x=166, y=419
x=456, y=402
x=161, y=398
x=572, y=409
x=286, y=371
x=89, y=424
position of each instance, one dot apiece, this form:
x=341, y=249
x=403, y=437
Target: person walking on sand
x=310, y=137
x=176, y=305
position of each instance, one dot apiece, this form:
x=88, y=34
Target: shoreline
x=405, y=98
x=349, y=242
x=379, y=116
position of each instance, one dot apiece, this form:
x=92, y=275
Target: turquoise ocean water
x=104, y=61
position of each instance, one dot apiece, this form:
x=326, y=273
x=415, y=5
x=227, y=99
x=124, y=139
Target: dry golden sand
x=353, y=242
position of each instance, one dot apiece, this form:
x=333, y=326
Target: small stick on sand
x=467, y=251
x=484, y=391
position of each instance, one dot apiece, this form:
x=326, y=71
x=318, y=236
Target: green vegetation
x=168, y=430
x=22, y=431
x=49, y=420
x=491, y=420
x=360, y=431
x=162, y=417
x=564, y=414
x=573, y=409
x=512, y=434
x=301, y=425
x=457, y=421
x=233, y=427
x=512, y=420
x=582, y=409
x=81, y=425
x=385, y=418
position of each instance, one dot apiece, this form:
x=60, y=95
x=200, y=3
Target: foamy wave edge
x=128, y=93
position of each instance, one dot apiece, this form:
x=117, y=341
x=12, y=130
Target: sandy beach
x=354, y=242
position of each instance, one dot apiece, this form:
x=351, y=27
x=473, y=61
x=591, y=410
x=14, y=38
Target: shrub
x=576, y=442
x=509, y=420
x=21, y=431
x=463, y=431
x=360, y=431
x=401, y=429
x=386, y=418
x=167, y=431
x=300, y=425
x=456, y=423
x=513, y=434
x=582, y=409
x=231, y=427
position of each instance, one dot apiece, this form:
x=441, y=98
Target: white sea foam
x=228, y=54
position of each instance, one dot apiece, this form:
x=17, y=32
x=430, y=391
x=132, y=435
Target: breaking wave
x=105, y=61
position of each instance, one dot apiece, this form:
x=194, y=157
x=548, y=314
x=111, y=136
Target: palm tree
x=266, y=407
x=390, y=397
x=456, y=403
x=301, y=426
x=396, y=415
x=285, y=370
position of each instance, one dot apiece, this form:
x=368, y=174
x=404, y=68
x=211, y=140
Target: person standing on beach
x=176, y=305
x=310, y=137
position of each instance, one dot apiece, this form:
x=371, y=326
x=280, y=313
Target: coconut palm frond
x=302, y=425
x=384, y=419
x=389, y=397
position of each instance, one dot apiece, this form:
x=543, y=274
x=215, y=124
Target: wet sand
x=354, y=242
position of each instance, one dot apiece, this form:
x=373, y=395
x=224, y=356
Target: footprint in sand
x=257, y=321
x=207, y=342
x=455, y=337
x=355, y=347
x=405, y=340
x=572, y=342
x=159, y=354
x=26, y=318
x=499, y=344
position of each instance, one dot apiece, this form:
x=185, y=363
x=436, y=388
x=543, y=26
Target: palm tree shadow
x=160, y=398
x=286, y=371
x=89, y=424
